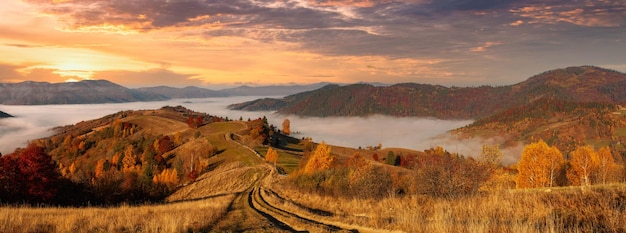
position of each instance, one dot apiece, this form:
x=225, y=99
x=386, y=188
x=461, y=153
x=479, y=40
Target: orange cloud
x=484, y=47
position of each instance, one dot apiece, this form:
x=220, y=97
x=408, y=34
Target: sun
x=75, y=69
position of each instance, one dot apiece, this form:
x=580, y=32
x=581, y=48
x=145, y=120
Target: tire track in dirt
x=296, y=221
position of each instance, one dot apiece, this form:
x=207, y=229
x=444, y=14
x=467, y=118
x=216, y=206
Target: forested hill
x=573, y=84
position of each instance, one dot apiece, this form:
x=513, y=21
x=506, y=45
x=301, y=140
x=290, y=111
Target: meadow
x=599, y=208
x=187, y=216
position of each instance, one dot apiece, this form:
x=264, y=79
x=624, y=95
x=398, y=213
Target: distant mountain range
x=102, y=91
x=573, y=84
x=271, y=90
x=181, y=93
x=84, y=92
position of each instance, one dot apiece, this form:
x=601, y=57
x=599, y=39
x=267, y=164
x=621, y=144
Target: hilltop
x=574, y=84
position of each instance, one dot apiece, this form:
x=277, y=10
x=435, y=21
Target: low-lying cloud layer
x=32, y=122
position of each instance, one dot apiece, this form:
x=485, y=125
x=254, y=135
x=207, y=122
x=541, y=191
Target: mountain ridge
x=182, y=93
x=272, y=90
x=83, y=92
x=103, y=91
x=578, y=84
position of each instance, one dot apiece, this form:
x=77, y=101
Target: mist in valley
x=33, y=122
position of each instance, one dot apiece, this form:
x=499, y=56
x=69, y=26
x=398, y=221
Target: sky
x=225, y=43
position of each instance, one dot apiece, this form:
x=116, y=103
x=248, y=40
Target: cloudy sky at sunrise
x=220, y=43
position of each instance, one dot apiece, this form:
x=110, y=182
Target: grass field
x=287, y=161
x=566, y=209
x=177, y=217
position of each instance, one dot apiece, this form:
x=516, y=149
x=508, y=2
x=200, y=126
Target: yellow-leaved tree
x=607, y=168
x=168, y=177
x=129, y=162
x=271, y=156
x=101, y=166
x=320, y=160
x=583, y=165
x=491, y=154
x=286, y=127
x=539, y=165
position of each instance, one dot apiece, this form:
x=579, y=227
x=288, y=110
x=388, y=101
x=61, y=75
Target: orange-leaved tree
x=101, y=167
x=539, y=165
x=583, y=165
x=320, y=160
x=286, y=127
x=607, y=168
x=168, y=177
x=271, y=156
x=491, y=154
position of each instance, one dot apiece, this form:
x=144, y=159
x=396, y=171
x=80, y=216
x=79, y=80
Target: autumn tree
x=538, y=165
x=271, y=156
x=440, y=173
x=10, y=180
x=199, y=121
x=116, y=160
x=321, y=159
x=178, y=141
x=286, y=127
x=366, y=180
x=583, y=165
x=163, y=145
x=607, y=168
x=129, y=162
x=167, y=177
x=191, y=122
x=491, y=154
x=391, y=158
x=101, y=167
x=72, y=169
x=39, y=174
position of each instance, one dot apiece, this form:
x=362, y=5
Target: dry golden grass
x=156, y=125
x=228, y=178
x=177, y=217
x=595, y=209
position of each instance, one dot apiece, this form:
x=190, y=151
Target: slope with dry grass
x=571, y=209
x=192, y=216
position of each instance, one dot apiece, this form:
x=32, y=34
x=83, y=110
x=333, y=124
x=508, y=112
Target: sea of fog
x=33, y=122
